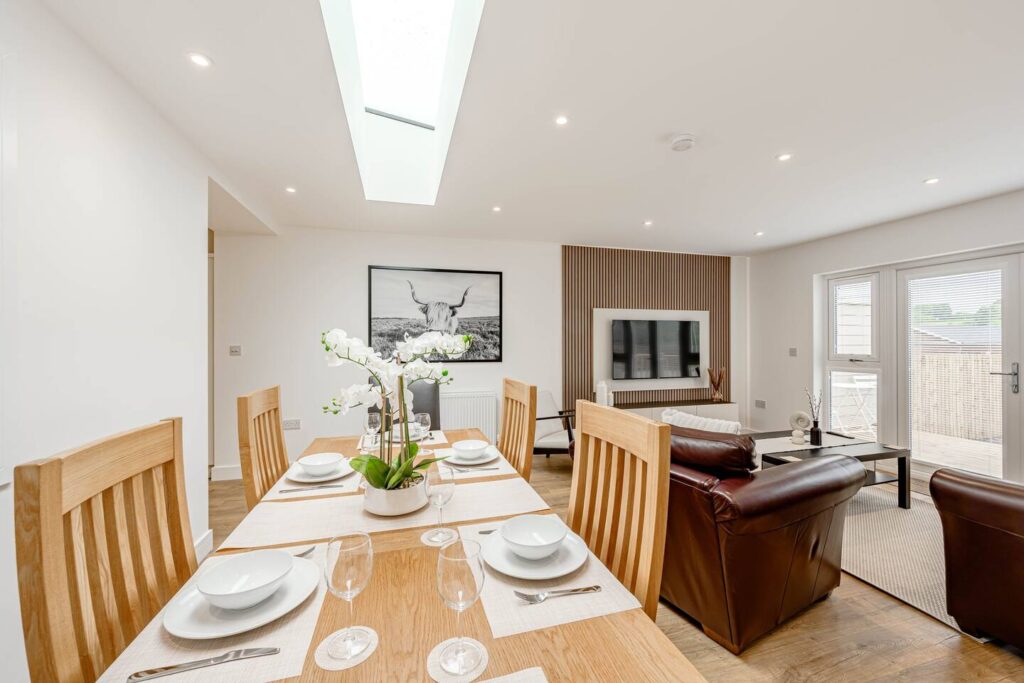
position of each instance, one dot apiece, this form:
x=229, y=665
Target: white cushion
x=556, y=440
x=707, y=424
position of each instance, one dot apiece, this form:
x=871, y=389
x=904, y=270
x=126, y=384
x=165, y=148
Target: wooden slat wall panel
x=595, y=277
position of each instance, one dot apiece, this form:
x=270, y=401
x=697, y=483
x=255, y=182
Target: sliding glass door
x=959, y=347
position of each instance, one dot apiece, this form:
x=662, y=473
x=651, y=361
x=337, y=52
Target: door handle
x=1014, y=374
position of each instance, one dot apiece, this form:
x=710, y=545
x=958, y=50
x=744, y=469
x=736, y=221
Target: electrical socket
x=758, y=403
x=235, y=350
x=792, y=351
x=291, y=423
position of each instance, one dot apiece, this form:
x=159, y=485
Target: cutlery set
x=232, y=656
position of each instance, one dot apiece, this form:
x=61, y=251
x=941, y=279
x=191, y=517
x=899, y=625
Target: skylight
x=401, y=62
x=402, y=45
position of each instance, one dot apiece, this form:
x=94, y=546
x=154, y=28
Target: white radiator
x=466, y=409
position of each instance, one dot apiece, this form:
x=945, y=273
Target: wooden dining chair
x=261, y=445
x=103, y=541
x=518, y=424
x=618, y=502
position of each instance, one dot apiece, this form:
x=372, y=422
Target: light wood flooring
x=858, y=634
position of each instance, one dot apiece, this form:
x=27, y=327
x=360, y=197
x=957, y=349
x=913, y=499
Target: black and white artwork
x=416, y=300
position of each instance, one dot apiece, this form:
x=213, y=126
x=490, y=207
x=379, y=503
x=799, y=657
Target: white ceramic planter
x=396, y=501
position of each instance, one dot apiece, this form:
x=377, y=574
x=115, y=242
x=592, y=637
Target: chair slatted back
x=618, y=502
x=261, y=445
x=103, y=542
x=518, y=424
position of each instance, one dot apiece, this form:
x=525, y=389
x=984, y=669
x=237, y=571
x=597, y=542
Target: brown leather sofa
x=983, y=532
x=746, y=550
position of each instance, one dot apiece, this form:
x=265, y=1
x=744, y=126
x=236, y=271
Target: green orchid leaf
x=373, y=468
x=400, y=474
x=428, y=462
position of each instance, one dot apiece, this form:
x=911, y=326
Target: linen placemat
x=494, y=468
x=783, y=444
x=436, y=437
x=154, y=647
x=533, y=675
x=348, y=484
x=274, y=523
x=508, y=615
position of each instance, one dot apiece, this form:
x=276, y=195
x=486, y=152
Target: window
x=853, y=326
x=853, y=403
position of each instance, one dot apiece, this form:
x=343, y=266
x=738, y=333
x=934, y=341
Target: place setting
x=542, y=574
x=260, y=605
x=315, y=474
x=474, y=457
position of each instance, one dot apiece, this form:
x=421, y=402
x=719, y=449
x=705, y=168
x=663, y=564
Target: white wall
x=104, y=272
x=275, y=295
x=782, y=288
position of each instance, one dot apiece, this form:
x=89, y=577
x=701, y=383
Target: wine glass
x=460, y=578
x=371, y=423
x=423, y=420
x=347, y=568
x=440, y=487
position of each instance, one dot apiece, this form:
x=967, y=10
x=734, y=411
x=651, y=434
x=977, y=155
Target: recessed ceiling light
x=290, y=190
x=648, y=224
x=759, y=233
x=785, y=156
x=931, y=181
x=200, y=60
x=561, y=120
x=496, y=209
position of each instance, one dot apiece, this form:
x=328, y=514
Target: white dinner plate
x=567, y=559
x=296, y=473
x=190, y=615
x=490, y=455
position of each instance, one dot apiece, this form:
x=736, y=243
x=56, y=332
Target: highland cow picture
x=416, y=300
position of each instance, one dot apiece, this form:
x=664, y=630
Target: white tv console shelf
x=713, y=409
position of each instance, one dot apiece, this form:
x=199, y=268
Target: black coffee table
x=865, y=452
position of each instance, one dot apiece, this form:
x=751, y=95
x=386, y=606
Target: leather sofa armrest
x=779, y=496
x=983, y=500
x=698, y=479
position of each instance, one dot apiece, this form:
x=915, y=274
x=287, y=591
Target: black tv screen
x=655, y=349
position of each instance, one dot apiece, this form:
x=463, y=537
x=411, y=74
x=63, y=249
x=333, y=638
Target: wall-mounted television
x=655, y=349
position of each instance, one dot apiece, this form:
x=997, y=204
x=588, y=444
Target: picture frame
x=408, y=300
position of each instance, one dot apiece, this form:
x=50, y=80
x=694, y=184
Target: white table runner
x=783, y=444
x=508, y=615
x=274, y=523
x=154, y=647
x=534, y=675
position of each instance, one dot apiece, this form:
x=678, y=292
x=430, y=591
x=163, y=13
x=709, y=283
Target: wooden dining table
x=402, y=605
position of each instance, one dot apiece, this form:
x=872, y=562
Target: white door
x=959, y=403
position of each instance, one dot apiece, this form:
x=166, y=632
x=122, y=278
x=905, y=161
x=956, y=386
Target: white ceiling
x=871, y=97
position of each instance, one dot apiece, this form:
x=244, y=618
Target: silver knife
x=314, y=488
x=232, y=656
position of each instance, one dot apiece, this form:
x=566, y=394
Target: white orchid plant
x=390, y=393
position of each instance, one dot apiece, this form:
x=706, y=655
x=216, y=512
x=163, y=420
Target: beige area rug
x=898, y=551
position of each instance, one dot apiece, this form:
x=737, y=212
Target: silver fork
x=537, y=598
x=468, y=470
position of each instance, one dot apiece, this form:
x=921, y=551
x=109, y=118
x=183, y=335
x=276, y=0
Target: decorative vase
x=815, y=434
x=394, y=502
x=717, y=378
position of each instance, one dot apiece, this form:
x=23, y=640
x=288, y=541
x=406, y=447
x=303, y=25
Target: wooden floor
x=859, y=634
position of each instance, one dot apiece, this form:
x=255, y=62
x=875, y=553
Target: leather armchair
x=746, y=550
x=983, y=534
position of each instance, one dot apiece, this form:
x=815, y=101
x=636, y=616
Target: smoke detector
x=683, y=142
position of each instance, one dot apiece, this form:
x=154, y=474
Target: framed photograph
x=416, y=300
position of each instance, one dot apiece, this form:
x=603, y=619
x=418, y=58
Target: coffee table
x=865, y=452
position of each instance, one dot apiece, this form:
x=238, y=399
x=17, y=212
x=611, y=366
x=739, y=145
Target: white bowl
x=470, y=449
x=246, y=579
x=319, y=464
x=534, y=537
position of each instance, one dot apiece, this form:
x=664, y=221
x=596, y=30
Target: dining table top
x=402, y=605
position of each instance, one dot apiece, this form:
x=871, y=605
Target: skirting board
x=225, y=472
x=204, y=546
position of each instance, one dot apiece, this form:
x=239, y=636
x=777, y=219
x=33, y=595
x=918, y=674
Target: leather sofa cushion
x=724, y=455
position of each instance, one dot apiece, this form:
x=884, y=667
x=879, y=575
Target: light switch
x=792, y=351
x=235, y=350
x=760, y=404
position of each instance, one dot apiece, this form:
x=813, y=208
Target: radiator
x=466, y=409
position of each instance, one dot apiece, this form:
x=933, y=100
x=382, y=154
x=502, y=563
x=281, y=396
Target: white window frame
x=833, y=283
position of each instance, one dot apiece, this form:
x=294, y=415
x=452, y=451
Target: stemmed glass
x=423, y=420
x=440, y=487
x=347, y=568
x=371, y=423
x=460, y=578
